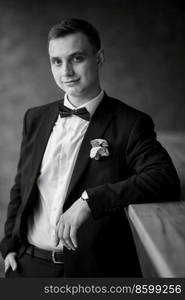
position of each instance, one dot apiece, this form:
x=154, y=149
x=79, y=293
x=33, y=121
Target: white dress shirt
x=56, y=170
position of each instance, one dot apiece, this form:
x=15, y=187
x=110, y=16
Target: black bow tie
x=81, y=112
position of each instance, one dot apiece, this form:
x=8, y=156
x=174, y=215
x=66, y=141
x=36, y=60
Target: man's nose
x=67, y=69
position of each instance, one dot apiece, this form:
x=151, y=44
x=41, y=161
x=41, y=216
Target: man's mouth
x=71, y=81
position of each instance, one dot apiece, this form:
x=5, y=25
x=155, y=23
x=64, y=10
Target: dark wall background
x=144, y=45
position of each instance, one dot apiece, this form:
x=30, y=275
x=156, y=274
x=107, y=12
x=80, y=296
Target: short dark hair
x=73, y=25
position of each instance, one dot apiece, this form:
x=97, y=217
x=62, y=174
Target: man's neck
x=78, y=101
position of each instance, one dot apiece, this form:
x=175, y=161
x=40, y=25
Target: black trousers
x=28, y=266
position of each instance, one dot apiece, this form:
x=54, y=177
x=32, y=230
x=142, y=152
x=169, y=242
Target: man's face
x=75, y=66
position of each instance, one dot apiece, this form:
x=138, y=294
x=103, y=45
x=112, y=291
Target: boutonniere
x=99, y=148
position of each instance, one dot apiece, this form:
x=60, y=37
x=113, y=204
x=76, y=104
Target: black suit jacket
x=137, y=170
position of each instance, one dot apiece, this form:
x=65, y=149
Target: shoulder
x=124, y=112
x=40, y=109
x=37, y=112
x=134, y=124
x=34, y=116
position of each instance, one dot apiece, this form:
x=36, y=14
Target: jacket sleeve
x=8, y=243
x=153, y=177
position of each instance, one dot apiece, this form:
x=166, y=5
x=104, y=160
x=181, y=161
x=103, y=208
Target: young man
x=83, y=160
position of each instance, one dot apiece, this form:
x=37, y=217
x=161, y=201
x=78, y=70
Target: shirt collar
x=90, y=105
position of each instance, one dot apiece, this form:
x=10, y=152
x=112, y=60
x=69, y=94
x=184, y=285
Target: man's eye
x=56, y=62
x=78, y=58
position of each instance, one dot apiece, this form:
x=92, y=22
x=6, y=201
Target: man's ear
x=100, y=57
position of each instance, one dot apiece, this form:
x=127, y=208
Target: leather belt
x=55, y=256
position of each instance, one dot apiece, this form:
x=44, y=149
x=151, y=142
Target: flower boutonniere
x=99, y=149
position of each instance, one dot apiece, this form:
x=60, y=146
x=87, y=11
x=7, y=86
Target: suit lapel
x=97, y=126
x=46, y=125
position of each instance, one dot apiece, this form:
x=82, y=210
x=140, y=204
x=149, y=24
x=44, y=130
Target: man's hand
x=70, y=221
x=10, y=261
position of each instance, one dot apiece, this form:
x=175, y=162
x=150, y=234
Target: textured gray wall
x=145, y=63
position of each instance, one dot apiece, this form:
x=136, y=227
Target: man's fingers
x=56, y=238
x=7, y=265
x=73, y=235
x=13, y=263
x=10, y=261
x=61, y=228
x=66, y=237
x=56, y=241
x=64, y=234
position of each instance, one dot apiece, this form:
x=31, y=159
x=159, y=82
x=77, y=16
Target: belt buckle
x=54, y=258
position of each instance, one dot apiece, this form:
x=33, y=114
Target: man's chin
x=74, y=93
